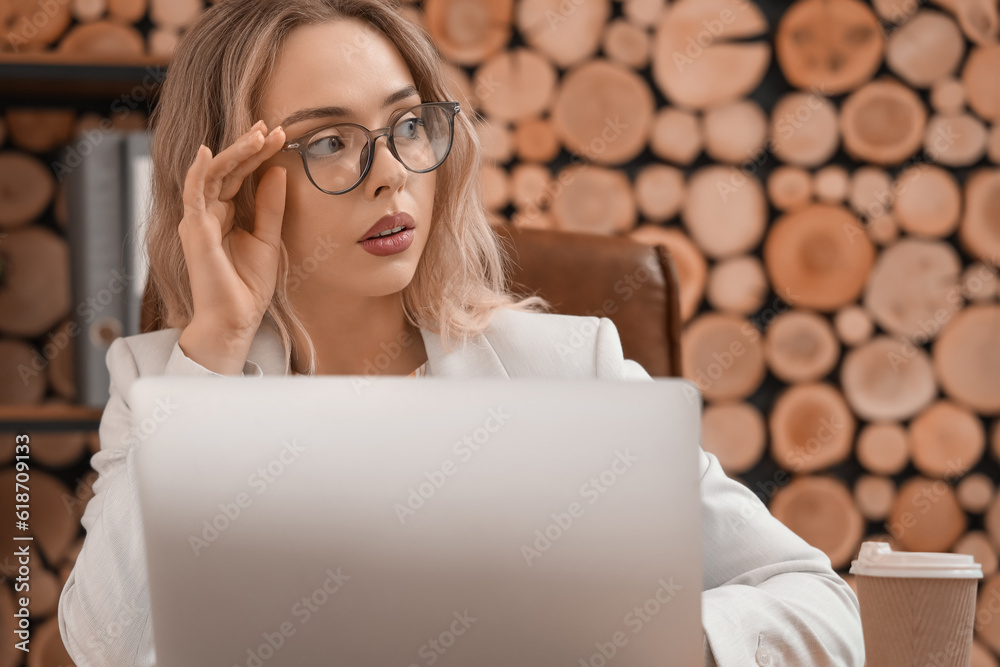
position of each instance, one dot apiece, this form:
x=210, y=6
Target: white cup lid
x=877, y=559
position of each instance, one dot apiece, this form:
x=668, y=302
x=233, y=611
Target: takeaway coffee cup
x=917, y=608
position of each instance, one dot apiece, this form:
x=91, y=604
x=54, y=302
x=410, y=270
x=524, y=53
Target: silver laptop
x=403, y=522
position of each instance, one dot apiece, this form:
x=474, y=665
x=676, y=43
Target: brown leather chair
x=633, y=284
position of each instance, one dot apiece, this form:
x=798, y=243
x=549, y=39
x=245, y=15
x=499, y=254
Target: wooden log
x=57, y=449
x=568, y=33
x=735, y=133
x=981, y=86
x=884, y=230
x=883, y=122
x=34, y=295
x=10, y=655
x=530, y=187
x=874, y=496
x=126, y=11
x=595, y=200
x=871, y=194
x=926, y=516
x=913, y=288
x=720, y=358
x=690, y=263
x=676, y=136
x=887, y=379
x=644, y=12
x=976, y=544
x=659, y=191
x=967, y=358
x=993, y=144
x=87, y=11
x=995, y=439
x=829, y=45
x=3, y=131
x=831, y=184
x=928, y=201
x=981, y=217
x=110, y=41
x=883, y=448
x=927, y=48
x=947, y=96
x=988, y=620
x=52, y=527
x=26, y=189
x=515, y=84
x=60, y=207
x=725, y=211
x=738, y=285
x=811, y=428
x=496, y=187
x=853, y=325
x=174, y=13
x=956, y=141
x=604, y=112
x=460, y=86
x=981, y=656
x=44, y=598
x=469, y=31
x=735, y=433
x=535, y=140
x=626, y=43
x=496, y=141
x=947, y=440
x=800, y=346
x=163, y=42
x=40, y=130
x=819, y=509
x=789, y=188
x=22, y=32
x=698, y=68
x=975, y=492
x=804, y=129
x=16, y=386
x=894, y=11
x=818, y=257
x=49, y=650
x=978, y=18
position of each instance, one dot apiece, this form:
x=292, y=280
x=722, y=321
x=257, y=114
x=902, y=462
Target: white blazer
x=769, y=598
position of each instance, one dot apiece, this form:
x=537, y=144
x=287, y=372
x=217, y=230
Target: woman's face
x=350, y=65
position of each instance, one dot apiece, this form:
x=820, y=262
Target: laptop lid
x=340, y=520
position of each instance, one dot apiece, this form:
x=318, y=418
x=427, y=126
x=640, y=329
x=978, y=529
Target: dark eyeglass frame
x=301, y=144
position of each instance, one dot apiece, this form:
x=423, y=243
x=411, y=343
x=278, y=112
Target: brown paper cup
x=917, y=609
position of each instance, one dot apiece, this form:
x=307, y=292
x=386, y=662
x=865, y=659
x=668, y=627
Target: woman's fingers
x=232, y=182
x=194, y=182
x=270, y=206
x=229, y=159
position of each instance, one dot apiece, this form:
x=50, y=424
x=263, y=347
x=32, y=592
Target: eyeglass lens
x=337, y=155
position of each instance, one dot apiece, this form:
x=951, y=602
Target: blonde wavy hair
x=221, y=67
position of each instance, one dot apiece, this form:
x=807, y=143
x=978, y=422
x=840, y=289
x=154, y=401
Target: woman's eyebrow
x=330, y=112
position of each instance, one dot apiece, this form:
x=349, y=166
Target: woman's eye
x=328, y=145
x=409, y=128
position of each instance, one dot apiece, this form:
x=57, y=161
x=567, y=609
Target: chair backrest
x=633, y=284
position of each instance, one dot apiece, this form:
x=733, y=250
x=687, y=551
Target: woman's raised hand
x=233, y=272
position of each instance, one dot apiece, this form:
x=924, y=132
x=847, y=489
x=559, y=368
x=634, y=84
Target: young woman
x=288, y=135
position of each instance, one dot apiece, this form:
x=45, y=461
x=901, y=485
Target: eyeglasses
x=338, y=157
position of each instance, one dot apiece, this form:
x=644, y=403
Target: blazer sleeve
x=104, y=610
x=769, y=598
